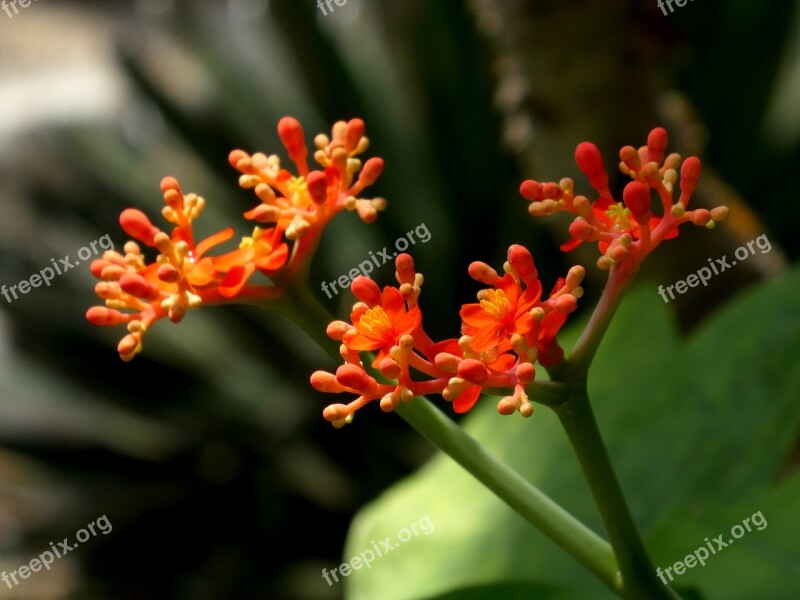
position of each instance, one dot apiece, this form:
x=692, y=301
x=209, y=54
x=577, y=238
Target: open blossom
x=381, y=326
x=294, y=207
x=502, y=336
x=302, y=204
x=627, y=230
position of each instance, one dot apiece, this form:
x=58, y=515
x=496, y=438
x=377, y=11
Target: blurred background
x=208, y=453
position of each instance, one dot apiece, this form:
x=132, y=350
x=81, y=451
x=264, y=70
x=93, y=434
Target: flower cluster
x=295, y=208
x=503, y=334
x=628, y=230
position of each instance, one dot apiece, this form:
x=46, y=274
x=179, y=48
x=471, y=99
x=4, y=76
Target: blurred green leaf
x=761, y=564
x=516, y=591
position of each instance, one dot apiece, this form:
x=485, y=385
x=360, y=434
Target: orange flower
x=625, y=229
x=302, y=204
x=381, y=326
x=504, y=333
x=184, y=277
x=501, y=313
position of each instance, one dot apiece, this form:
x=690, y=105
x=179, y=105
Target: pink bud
x=317, y=186
x=366, y=290
x=525, y=373
x=235, y=156
x=657, y=144
x=531, y=190
x=136, y=285
x=371, y=171
x=405, y=270
x=637, y=199
x=590, y=161
x=482, y=272
x=353, y=134
x=581, y=230
x=136, y=224
x=473, y=371
x=323, y=381
x=353, y=377
x=522, y=262
x=102, y=316
x=690, y=175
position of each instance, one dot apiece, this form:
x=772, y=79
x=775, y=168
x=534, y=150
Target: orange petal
x=467, y=399
x=214, y=240
x=202, y=273
x=475, y=316
x=274, y=260
x=486, y=339
x=392, y=303
x=235, y=280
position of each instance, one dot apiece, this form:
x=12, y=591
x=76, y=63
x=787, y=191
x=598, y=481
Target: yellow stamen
x=495, y=304
x=620, y=217
x=374, y=323
x=298, y=189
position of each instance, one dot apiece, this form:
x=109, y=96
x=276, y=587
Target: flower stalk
x=638, y=575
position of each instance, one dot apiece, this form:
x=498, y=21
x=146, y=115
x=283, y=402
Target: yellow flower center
x=374, y=323
x=298, y=192
x=495, y=304
x=620, y=217
x=249, y=242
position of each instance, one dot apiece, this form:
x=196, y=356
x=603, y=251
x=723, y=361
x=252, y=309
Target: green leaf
x=761, y=563
x=516, y=591
x=687, y=421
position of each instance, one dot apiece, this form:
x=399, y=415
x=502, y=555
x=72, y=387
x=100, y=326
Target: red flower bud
x=530, y=190
x=366, y=290
x=590, y=161
x=136, y=224
x=136, y=285
x=353, y=377
x=353, y=134
x=522, y=262
x=317, y=186
x=473, y=371
x=690, y=175
x=656, y=144
x=637, y=199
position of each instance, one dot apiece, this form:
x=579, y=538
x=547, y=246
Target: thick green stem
x=639, y=580
x=528, y=501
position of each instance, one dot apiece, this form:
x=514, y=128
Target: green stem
x=585, y=348
x=528, y=501
x=639, y=580
x=576, y=415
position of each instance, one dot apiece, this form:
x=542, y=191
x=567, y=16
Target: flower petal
x=467, y=399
